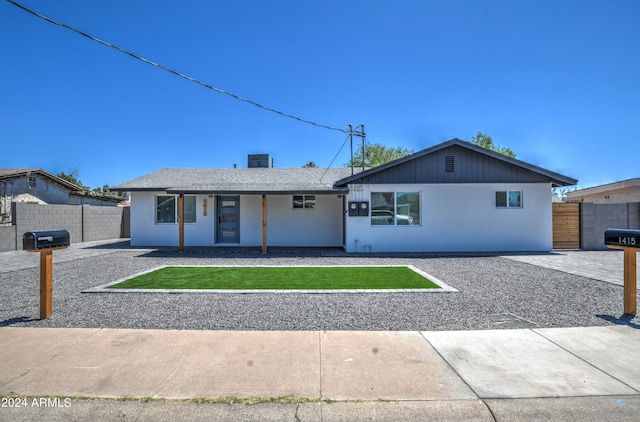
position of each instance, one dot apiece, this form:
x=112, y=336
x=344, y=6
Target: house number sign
x=629, y=242
x=623, y=238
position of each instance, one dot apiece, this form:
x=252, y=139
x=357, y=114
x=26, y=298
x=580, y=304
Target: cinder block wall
x=34, y=217
x=597, y=218
x=85, y=223
x=7, y=238
x=102, y=223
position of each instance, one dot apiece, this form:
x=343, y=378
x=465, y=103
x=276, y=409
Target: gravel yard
x=494, y=293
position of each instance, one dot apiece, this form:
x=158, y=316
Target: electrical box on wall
x=353, y=209
x=363, y=209
x=358, y=209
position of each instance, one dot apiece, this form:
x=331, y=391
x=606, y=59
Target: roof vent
x=260, y=160
x=449, y=164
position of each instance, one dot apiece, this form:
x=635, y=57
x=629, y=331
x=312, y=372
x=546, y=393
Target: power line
x=175, y=72
x=335, y=156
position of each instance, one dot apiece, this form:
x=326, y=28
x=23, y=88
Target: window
x=304, y=201
x=167, y=209
x=32, y=181
x=189, y=209
x=509, y=199
x=395, y=208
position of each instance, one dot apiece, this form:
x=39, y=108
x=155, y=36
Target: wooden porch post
x=181, y=222
x=264, y=223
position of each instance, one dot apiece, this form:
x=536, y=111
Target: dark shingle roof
x=244, y=180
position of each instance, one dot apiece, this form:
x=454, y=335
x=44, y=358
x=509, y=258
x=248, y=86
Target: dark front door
x=228, y=213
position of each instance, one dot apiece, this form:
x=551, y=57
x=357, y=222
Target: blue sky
x=556, y=81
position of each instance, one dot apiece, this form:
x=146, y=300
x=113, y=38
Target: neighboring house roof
x=239, y=181
x=98, y=195
x=11, y=173
x=470, y=164
x=73, y=189
x=624, y=184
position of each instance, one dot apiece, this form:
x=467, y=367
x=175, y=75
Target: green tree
x=104, y=189
x=485, y=141
x=310, y=164
x=73, y=177
x=377, y=154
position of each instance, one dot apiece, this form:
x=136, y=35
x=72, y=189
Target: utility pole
x=359, y=132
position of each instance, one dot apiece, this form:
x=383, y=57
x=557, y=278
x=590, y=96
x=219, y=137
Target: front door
x=228, y=213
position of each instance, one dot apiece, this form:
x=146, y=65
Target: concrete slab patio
x=597, y=265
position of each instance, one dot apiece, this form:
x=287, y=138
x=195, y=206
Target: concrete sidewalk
x=559, y=373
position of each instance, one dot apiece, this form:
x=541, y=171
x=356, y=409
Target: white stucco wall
x=320, y=226
x=458, y=218
x=286, y=226
x=145, y=231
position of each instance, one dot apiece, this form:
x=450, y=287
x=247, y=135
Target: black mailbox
x=32, y=241
x=624, y=238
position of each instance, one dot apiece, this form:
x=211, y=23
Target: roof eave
x=187, y=191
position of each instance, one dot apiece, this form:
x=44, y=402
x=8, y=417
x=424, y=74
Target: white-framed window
x=167, y=209
x=509, y=199
x=395, y=209
x=304, y=201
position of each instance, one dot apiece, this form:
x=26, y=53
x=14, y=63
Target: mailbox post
x=629, y=242
x=45, y=242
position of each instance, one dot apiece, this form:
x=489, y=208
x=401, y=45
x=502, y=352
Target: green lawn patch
x=279, y=278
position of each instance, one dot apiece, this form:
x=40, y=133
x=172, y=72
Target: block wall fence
x=85, y=223
x=595, y=219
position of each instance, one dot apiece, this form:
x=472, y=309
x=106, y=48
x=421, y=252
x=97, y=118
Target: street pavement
x=56, y=374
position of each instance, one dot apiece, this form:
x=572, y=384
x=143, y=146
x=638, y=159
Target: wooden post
x=630, y=276
x=181, y=222
x=46, y=283
x=264, y=223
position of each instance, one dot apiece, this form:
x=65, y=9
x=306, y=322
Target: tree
x=72, y=177
x=310, y=164
x=377, y=154
x=485, y=141
x=104, y=189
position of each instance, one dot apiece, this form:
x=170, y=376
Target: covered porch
x=283, y=219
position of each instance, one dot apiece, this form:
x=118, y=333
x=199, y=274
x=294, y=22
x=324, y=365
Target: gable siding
x=469, y=167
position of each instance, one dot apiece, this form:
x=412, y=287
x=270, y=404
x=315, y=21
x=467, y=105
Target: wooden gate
x=566, y=225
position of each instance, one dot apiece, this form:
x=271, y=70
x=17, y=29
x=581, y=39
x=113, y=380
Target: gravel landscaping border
x=494, y=293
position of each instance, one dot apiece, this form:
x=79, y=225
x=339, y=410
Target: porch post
x=181, y=222
x=264, y=223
